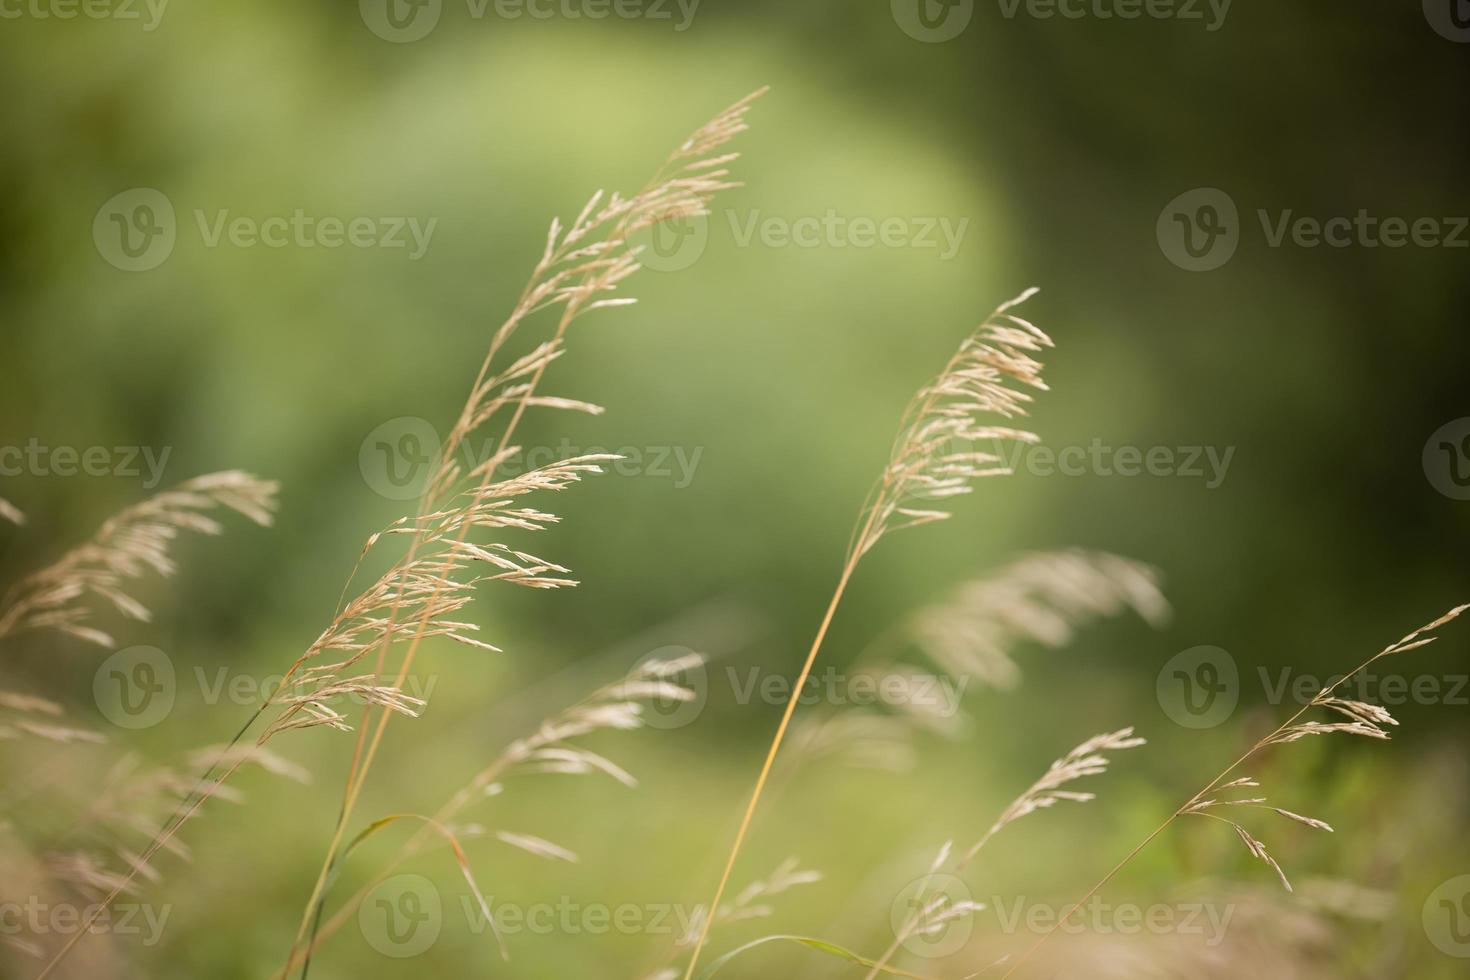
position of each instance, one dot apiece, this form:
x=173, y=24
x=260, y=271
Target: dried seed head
x=132, y=543
x=1365, y=719
x=1085, y=760
x=1041, y=598
x=935, y=456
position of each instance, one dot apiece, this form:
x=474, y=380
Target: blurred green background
x=1059, y=141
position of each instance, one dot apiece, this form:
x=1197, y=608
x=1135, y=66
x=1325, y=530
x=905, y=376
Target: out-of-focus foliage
x=760, y=385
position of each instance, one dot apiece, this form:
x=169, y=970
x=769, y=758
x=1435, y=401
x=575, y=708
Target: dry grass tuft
x=1042, y=598
x=1085, y=760
x=934, y=457
x=581, y=264
x=749, y=904
x=135, y=541
x=551, y=750
x=1366, y=720
x=24, y=715
x=934, y=909
x=98, y=852
x=971, y=636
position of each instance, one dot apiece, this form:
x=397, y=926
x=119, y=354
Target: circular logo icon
x=401, y=21
x=1199, y=688
x=135, y=230
x=1447, y=917
x=1199, y=230
x=135, y=688
x=398, y=458
x=669, y=713
x=402, y=917
x=673, y=244
x=933, y=21
x=1449, y=18
x=1447, y=459
x=932, y=916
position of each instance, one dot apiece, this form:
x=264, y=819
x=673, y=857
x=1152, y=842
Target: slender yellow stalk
x=682, y=187
x=1282, y=733
x=760, y=782
x=117, y=890
x=933, y=459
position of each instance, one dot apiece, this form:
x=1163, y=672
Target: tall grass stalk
x=680, y=190
x=933, y=459
x=1288, y=731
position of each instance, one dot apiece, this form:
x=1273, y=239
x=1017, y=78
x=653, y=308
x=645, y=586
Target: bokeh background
x=1059, y=143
